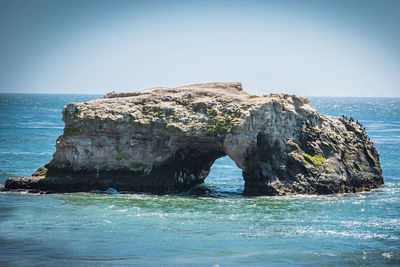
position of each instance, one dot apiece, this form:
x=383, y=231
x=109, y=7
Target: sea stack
x=163, y=140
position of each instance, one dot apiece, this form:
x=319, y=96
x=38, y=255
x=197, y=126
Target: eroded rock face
x=166, y=140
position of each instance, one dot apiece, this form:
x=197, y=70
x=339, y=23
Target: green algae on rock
x=166, y=140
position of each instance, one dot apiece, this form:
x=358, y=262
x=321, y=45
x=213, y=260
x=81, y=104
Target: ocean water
x=212, y=225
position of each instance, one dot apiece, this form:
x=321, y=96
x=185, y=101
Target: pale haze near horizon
x=311, y=48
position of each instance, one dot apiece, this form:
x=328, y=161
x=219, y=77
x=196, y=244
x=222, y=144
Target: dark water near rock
x=214, y=224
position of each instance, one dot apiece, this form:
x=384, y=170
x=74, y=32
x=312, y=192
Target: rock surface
x=166, y=139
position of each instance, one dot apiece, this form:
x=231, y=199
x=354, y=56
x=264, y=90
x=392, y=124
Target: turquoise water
x=214, y=224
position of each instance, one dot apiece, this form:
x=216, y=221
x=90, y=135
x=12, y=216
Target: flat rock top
x=190, y=107
x=216, y=87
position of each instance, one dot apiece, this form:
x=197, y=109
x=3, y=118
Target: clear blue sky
x=311, y=48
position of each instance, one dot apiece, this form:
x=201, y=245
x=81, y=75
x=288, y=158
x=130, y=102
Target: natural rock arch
x=166, y=140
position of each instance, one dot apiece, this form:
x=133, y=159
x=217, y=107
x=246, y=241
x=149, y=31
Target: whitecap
x=123, y=210
x=387, y=255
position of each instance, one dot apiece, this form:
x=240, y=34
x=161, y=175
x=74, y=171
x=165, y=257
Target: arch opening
x=225, y=179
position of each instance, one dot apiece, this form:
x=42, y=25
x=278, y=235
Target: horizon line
x=100, y=94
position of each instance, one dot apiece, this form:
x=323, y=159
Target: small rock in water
x=112, y=191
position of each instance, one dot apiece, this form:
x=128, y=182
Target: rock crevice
x=166, y=140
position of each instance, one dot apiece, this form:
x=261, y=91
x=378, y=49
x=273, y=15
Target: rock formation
x=166, y=139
